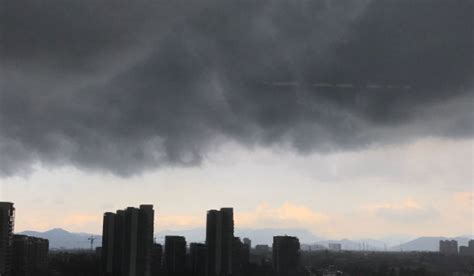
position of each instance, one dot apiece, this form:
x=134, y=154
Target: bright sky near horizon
x=418, y=188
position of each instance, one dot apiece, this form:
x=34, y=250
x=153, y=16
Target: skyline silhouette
x=347, y=125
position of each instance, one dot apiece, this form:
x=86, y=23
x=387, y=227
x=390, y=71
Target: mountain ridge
x=63, y=239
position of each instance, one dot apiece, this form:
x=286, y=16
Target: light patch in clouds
x=264, y=215
x=178, y=222
x=465, y=199
x=282, y=216
x=78, y=220
x=408, y=211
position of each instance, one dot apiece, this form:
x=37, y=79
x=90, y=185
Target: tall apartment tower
x=7, y=224
x=145, y=240
x=108, y=245
x=219, y=240
x=127, y=240
x=285, y=255
x=175, y=256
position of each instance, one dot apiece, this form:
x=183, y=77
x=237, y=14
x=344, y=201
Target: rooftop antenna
x=91, y=239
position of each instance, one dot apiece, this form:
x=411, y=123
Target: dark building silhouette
x=175, y=256
x=108, y=232
x=240, y=257
x=219, y=240
x=7, y=223
x=156, y=259
x=248, y=242
x=198, y=253
x=145, y=239
x=285, y=255
x=262, y=249
x=30, y=256
x=127, y=239
x=467, y=250
x=448, y=247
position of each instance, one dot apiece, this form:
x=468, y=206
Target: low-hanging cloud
x=125, y=86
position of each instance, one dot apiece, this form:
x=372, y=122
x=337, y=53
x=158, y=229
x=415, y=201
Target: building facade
x=30, y=256
x=240, y=257
x=7, y=225
x=219, y=241
x=175, y=256
x=197, y=253
x=448, y=247
x=156, y=259
x=286, y=252
x=467, y=250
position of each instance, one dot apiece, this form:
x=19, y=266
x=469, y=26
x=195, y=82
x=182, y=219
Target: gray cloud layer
x=125, y=86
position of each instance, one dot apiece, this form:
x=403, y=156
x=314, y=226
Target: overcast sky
x=346, y=118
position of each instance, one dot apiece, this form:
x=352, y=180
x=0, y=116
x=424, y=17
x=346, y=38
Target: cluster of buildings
x=128, y=248
x=450, y=247
x=20, y=255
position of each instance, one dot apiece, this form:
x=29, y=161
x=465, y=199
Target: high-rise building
x=227, y=239
x=30, y=256
x=145, y=234
x=7, y=225
x=219, y=240
x=108, y=231
x=197, y=262
x=285, y=255
x=213, y=242
x=448, y=247
x=175, y=256
x=127, y=239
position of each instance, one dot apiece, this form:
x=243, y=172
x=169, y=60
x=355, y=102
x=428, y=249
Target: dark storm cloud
x=125, y=86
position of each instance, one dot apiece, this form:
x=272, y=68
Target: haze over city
x=349, y=119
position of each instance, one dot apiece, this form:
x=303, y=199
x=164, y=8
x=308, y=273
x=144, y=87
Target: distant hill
x=62, y=239
x=430, y=243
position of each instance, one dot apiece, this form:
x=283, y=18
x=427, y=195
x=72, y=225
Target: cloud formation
x=126, y=86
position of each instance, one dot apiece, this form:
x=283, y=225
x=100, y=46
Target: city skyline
x=129, y=249
x=350, y=119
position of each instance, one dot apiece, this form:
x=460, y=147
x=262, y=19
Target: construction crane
x=92, y=239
